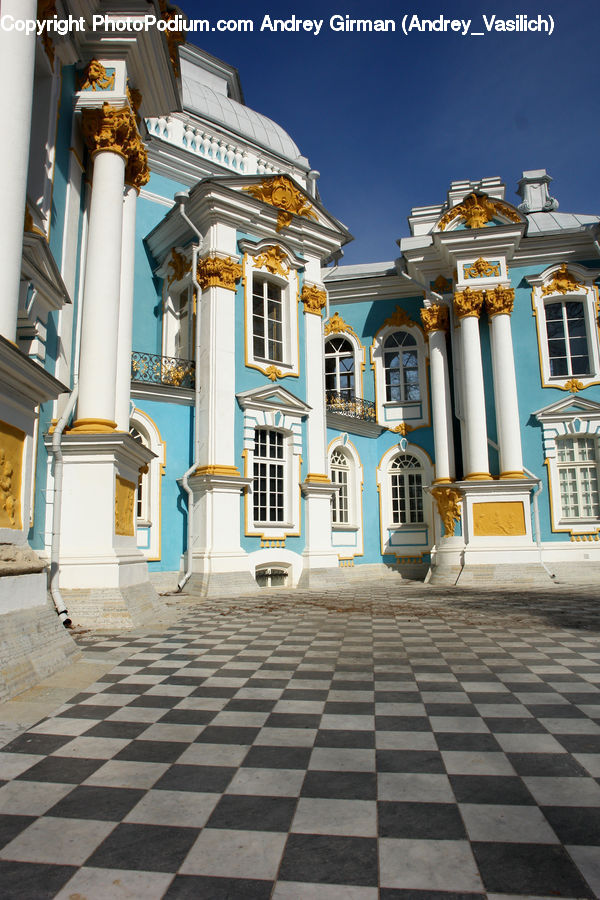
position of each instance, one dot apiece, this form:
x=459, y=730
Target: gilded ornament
x=402, y=429
x=280, y=192
x=573, y=385
x=135, y=101
x=562, y=283
x=314, y=299
x=179, y=265
x=213, y=271
x=400, y=318
x=274, y=260
x=124, y=506
x=108, y=129
x=46, y=9
x=499, y=519
x=137, y=172
x=500, y=300
x=477, y=210
x=174, y=37
x=336, y=325
x=481, y=268
x=468, y=303
x=441, y=285
x=434, y=318
x=12, y=443
x=317, y=478
x=273, y=373
x=96, y=78
x=448, y=503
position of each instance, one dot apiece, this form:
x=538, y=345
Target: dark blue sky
x=389, y=120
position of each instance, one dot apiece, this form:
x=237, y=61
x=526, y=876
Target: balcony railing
x=151, y=369
x=350, y=405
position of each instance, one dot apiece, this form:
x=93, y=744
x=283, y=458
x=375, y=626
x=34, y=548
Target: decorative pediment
x=569, y=408
x=563, y=278
x=282, y=193
x=273, y=397
x=478, y=210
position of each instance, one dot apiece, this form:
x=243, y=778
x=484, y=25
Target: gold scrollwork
x=434, y=318
x=137, y=171
x=448, y=503
x=481, y=268
x=336, y=325
x=399, y=318
x=213, y=271
x=273, y=373
x=179, y=265
x=314, y=299
x=174, y=37
x=468, y=303
x=441, y=285
x=562, y=283
x=285, y=196
x=46, y=9
x=477, y=210
x=274, y=260
x=402, y=429
x=499, y=301
x=573, y=385
x=96, y=78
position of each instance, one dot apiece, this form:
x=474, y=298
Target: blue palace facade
x=195, y=392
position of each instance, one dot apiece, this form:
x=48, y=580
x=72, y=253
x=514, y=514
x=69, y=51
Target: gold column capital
x=109, y=129
x=213, y=271
x=434, y=318
x=468, y=303
x=314, y=299
x=137, y=172
x=499, y=301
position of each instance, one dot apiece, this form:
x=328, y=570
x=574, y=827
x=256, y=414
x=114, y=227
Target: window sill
x=393, y=404
x=274, y=525
x=343, y=527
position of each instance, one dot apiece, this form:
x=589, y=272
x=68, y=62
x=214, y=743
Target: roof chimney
x=533, y=189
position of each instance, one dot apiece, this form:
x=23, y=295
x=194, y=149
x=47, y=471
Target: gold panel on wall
x=124, y=506
x=499, y=519
x=12, y=444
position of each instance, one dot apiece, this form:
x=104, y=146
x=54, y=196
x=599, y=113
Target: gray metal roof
x=360, y=271
x=543, y=222
x=204, y=101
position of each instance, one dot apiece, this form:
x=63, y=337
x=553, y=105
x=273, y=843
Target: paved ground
x=372, y=742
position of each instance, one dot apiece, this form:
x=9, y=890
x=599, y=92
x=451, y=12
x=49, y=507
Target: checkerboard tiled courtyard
x=405, y=743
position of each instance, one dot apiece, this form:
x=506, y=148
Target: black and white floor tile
x=316, y=754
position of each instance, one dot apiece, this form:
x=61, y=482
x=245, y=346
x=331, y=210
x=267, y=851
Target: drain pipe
x=57, y=598
x=180, y=199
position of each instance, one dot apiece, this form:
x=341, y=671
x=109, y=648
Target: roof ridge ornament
x=282, y=193
x=477, y=210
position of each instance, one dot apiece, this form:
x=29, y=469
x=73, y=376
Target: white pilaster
x=98, y=365
x=435, y=319
x=468, y=305
x=17, y=59
x=125, y=333
x=505, y=386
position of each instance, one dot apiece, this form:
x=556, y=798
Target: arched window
x=406, y=483
x=577, y=463
x=401, y=365
x=567, y=338
x=340, y=475
x=339, y=368
x=143, y=486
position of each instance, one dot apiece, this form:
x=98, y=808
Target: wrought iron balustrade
x=149, y=368
x=345, y=404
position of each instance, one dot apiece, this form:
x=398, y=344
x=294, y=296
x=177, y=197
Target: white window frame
x=571, y=417
x=275, y=461
x=347, y=538
x=411, y=538
x=149, y=527
x=545, y=291
x=287, y=280
x=577, y=466
x=348, y=394
x=390, y=413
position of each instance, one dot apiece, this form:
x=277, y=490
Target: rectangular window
x=407, y=498
x=339, y=501
x=268, y=487
x=578, y=478
x=267, y=320
x=567, y=338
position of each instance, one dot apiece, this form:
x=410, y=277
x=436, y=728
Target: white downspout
x=56, y=509
x=180, y=199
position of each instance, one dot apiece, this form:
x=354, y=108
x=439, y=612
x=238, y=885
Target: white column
x=467, y=306
x=499, y=304
x=435, y=320
x=17, y=62
x=125, y=334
